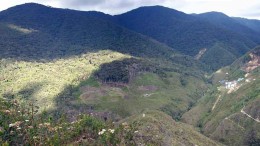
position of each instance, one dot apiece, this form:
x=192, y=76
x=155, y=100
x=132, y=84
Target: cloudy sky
x=239, y=8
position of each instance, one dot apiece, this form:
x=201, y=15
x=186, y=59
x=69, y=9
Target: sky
x=237, y=8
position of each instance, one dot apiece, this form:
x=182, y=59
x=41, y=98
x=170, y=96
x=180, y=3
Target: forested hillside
x=72, y=77
x=34, y=31
x=189, y=34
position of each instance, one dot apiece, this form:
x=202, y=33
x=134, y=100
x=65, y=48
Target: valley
x=150, y=76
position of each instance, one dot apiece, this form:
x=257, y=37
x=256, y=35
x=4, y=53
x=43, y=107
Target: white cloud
x=240, y=8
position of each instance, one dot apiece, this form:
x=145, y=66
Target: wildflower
x=19, y=111
x=47, y=124
x=18, y=128
x=7, y=111
x=102, y=132
x=125, y=125
x=26, y=120
x=136, y=132
x=143, y=115
x=111, y=130
x=11, y=125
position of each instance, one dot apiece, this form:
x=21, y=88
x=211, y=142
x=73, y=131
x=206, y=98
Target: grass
x=131, y=99
x=158, y=128
x=42, y=82
x=227, y=116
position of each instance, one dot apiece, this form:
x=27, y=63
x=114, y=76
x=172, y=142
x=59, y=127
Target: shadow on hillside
x=114, y=73
x=27, y=93
x=118, y=74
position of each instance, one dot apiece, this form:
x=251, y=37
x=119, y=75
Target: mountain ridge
x=176, y=28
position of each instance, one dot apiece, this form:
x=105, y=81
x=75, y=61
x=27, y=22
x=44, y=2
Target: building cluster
x=231, y=84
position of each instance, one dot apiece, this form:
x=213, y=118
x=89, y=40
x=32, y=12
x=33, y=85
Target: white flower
x=11, y=125
x=26, y=120
x=102, y=132
x=19, y=111
x=111, y=130
x=18, y=128
x=136, y=132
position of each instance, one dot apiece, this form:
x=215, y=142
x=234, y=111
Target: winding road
x=243, y=112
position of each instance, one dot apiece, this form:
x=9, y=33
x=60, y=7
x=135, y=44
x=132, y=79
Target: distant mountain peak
x=29, y=5
x=215, y=14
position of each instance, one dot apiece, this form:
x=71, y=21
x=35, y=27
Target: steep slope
x=186, y=33
x=70, y=61
x=250, y=23
x=223, y=21
x=230, y=111
x=60, y=32
x=157, y=128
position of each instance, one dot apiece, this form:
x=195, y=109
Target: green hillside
x=63, y=33
x=234, y=25
x=157, y=128
x=190, y=34
x=49, y=62
x=87, y=78
x=250, y=23
x=231, y=115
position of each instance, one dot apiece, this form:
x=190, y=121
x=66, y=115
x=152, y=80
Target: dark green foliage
x=170, y=110
x=189, y=34
x=252, y=139
x=183, y=81
x=218, y=56
x=64, y=33
x=230, y=24
x=125, y=70
x=250, y=23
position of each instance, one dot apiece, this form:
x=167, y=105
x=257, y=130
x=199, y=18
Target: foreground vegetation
x=20, y=125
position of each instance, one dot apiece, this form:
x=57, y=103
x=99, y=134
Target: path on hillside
x=235, y=123
x=243, y=112
x=216, y=102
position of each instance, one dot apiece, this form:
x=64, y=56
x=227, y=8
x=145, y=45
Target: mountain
x=250, y=23
x=89, y=78
x=33, y=31
x=55, y=57
x=223, y=21
x=59, y=64
x=229, y=112
x=188, y=34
